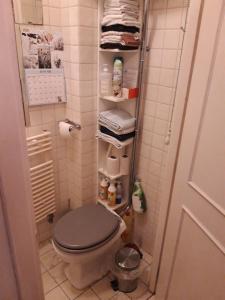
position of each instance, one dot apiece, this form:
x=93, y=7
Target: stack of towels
x=120, y=25
x=116, y=127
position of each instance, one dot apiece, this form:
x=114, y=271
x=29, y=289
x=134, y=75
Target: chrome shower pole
x=139, y=101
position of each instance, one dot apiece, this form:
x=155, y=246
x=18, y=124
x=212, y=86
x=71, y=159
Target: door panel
x=193, y=262
x=196, y=250
x=209, y=158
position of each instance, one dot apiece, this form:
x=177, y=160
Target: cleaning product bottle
x=119, y=192
x=138, y=198
x=103, y=189
x=117, y=76
x=105, y=81
x=112, y=194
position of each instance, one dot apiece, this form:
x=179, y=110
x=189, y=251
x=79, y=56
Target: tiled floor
x=57, y=287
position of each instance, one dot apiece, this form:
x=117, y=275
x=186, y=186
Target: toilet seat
x=85, y=229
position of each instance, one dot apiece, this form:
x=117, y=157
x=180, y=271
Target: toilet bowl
x=87, y=239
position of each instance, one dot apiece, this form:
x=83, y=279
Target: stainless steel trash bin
x=127, y=269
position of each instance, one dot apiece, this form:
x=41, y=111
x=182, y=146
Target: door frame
x=15, y=190
x=184, y=78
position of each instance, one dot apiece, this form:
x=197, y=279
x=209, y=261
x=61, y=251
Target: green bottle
x=138, y=198
x=117, y=76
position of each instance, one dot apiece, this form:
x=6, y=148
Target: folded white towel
x=120, y=17
x=117, y=119
x=117, y=2
x=136, y=35
x=118, y=144
x=119, y=132
x=111, y=40
x=121, y=22
x=122, y=8
x=121, y=5
x=121, y=14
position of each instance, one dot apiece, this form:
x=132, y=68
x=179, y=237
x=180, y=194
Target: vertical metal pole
x=140, y=99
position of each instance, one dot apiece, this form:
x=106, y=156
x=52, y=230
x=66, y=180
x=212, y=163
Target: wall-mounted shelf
x=111, y=177
x=115, y=207
x=118, y=50
x=116, y=99
x=109, y=102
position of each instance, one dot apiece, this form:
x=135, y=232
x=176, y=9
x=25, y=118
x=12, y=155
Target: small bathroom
x=111, y=158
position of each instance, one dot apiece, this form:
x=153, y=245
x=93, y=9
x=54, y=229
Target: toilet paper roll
x=113, y=165
x=124, y=164
x=65, y=129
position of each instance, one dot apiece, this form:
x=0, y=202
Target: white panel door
x=193, y=262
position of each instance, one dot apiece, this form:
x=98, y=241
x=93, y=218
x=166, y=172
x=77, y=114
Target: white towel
x=122, y=9
x=118, y=132
x=121, y=22
x=121, y=2
x=118, y=144
x=121, y=6
x=121, y=14
x=136, y=35
x=111, y=40
x=117, y=119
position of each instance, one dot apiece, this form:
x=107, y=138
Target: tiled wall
x=79, y=25
x=75, y=159
x=166, y=36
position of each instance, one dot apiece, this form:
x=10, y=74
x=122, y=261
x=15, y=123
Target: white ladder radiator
x=39, y=149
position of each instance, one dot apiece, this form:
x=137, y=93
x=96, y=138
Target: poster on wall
x=43, y=65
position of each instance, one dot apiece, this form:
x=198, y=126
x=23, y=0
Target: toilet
x=87, y=239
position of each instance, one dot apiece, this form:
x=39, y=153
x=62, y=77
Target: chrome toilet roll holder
x=73, y=125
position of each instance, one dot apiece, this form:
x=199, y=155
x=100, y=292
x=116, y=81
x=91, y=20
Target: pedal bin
x=127, y=271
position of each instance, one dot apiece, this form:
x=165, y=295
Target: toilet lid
x=85, y=227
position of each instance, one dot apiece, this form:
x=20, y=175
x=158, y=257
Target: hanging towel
x=117, y=119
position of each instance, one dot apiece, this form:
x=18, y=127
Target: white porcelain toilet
x=87, y=238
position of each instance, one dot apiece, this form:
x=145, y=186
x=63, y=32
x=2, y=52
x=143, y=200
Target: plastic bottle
x=138, y=198
x=112, y=194
x=105, y=81
x=119, y=192
x=117, y=76
x=103, y=189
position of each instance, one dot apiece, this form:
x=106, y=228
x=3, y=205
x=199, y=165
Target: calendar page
x=43, y=65
x=45, y=87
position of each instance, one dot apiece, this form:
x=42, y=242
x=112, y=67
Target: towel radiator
x=42, y=179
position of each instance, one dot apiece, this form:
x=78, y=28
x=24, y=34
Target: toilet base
x=82, y=272
x=82, y=276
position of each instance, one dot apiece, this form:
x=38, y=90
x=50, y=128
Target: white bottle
x=103, y=189
x=117, y=79
x=112, y=194
x=105, y=81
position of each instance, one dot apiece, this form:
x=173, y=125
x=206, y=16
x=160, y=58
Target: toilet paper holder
x=73, y=124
